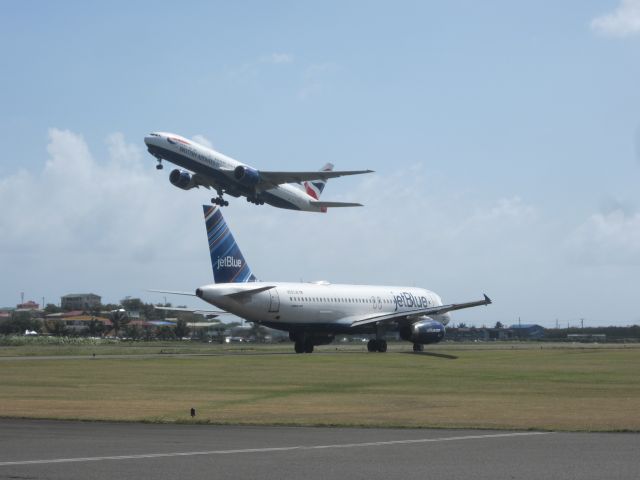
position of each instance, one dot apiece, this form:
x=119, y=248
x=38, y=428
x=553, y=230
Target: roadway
x=41, y=449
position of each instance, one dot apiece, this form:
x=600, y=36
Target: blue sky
x=505, y=138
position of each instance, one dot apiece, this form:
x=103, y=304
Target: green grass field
x=455, y=386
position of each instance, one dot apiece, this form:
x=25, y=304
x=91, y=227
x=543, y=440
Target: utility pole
x=557, y=325
x=582, y=323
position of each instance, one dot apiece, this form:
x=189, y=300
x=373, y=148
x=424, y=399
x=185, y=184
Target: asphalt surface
x=31, y=449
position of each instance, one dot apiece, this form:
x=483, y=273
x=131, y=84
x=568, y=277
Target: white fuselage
x=317, y=305
x=219, y=168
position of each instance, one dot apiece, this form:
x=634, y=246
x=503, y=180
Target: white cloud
x=314, y=79
x=251, y=70
x=611, y=238
x=637, y=143
x=277, y=58
x=115, y=226
x=85, y=224
x=202, y=140
x=623, y=21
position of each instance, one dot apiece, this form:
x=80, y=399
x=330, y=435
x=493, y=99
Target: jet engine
x=181, y=179
x=426, y=330
x=246, y=175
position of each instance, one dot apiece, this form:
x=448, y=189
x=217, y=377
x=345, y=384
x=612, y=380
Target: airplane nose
x=151, y=139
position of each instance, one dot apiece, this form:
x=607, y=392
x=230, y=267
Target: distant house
x=528, y=331
x=79, y=323
x=80, y=301
x=28, y=305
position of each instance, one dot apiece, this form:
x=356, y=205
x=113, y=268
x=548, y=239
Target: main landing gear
x=418, y=347
x=255, y=200
x=377, y=346
x=219, y=201
x=304, y=345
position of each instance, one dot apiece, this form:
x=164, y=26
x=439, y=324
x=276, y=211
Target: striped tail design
x=229, y=266
x=315, y=188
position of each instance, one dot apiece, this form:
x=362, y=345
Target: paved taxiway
x=81, y=450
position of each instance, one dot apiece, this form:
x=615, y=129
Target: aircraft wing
x=412, y=314
x=172, y=292
x=277, y=178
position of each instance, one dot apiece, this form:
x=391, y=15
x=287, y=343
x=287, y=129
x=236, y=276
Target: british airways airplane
x=214, y=170
x=313, y=313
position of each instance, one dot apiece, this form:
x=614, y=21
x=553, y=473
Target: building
x=587, y=337
x=28, y=305
x=80, y=301
x=528, y=331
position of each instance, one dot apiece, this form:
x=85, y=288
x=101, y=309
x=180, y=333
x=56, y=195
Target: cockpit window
x=154, y=134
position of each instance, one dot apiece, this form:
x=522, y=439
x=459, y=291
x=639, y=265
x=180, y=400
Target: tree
x=132, y=304
x=19, y=322
x=95, y=327
x=118, y=319
x=258, y=332
x=181, y=329
x=499, y=325
x=51, y=308
x=57, y=328
x=165, y=332
x=133, y=332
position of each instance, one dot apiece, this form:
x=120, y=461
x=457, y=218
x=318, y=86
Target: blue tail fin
x=227, y=261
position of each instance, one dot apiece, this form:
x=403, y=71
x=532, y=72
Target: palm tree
x=119, y=319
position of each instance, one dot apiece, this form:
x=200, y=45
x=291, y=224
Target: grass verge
x=548, y=389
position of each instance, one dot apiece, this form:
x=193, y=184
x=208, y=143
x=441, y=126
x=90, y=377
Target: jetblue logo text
x=410, y=301
x=229, y=261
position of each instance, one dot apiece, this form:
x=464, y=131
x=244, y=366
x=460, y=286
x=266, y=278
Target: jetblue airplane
x=226, y=175
x=313, y=313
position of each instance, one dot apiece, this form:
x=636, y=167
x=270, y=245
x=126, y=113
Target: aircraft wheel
x=372, y=345
x=299, y=347
x=225, y=203
x=382, y=346
x=159, y=166
x=418, y=347
x=308, y=346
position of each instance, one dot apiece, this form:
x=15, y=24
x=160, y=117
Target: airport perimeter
x=531, y=386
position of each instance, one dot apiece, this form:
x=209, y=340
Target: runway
x=31, y=449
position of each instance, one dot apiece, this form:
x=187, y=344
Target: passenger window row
x=338, y=300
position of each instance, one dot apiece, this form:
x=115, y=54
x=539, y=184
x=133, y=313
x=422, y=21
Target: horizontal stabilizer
x=252, y=291
x=333, y=204
x=196, y=311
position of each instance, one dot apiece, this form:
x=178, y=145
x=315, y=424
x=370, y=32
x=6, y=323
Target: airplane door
x=274, y=304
